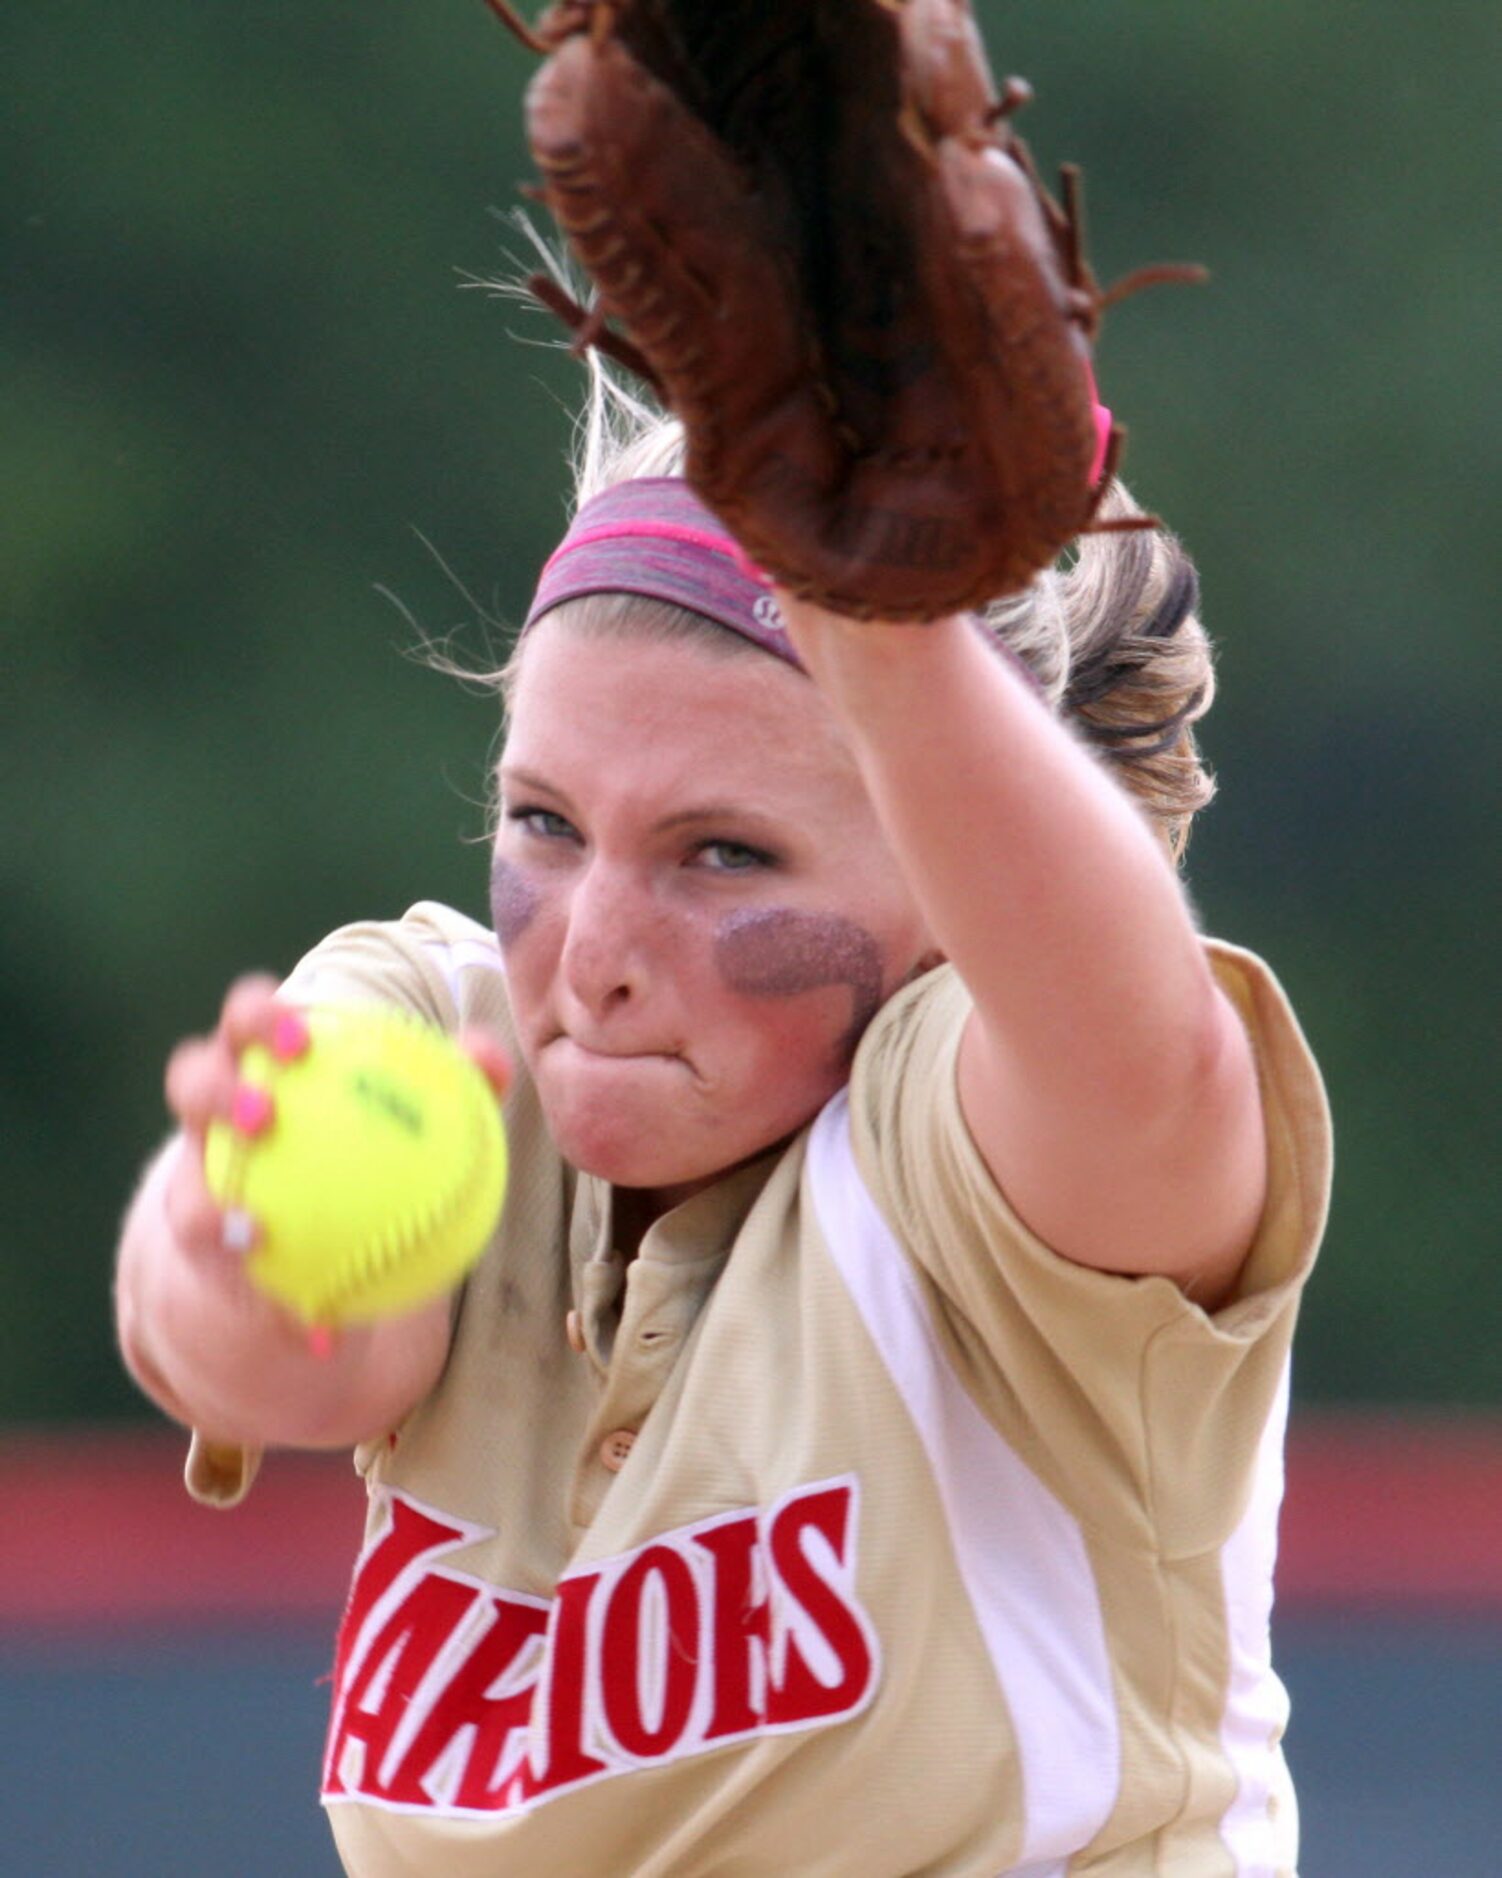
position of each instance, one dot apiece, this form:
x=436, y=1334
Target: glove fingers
x=1012, y=341
x=958, y=462
x=850, y=292
x=677, y=243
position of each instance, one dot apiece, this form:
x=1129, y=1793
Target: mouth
x=605, y=1059
x=598, y=1053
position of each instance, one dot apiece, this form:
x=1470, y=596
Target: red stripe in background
x=96, y=1530
x=1393, y=1510
x=96, y=1527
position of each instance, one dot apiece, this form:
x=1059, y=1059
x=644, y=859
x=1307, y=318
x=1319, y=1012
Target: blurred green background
x=256, y=440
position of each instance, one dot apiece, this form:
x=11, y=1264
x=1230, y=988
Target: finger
x=201, y=1080
x=253, y=1012
x=486, y=1052
x=199, y=1224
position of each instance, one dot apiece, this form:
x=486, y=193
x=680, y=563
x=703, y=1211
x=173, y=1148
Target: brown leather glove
x=834, y=260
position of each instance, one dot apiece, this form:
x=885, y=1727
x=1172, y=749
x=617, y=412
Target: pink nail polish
x=289, y=1038
x=250, y=1111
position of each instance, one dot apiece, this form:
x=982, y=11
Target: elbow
x=1221, y=1157
x=137, y=1357
x=1222, y=1066
x=1199, y=1104
x=1199, y=1075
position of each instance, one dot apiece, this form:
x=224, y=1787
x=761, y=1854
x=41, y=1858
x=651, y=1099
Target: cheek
x=778, y=952
x=513, y=901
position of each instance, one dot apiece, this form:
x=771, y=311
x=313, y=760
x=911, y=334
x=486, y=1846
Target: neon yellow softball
x=381, y=1176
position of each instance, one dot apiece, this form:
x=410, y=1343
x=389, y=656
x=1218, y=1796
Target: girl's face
x=698, y=910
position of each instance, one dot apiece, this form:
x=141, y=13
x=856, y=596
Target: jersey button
x=615, y=1447
x=574, y=1331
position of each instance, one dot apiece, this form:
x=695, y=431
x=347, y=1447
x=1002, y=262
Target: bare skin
x=708, y=873
x=714, y=904
x=200, y=1339
x=513, y=902
x=1107, y=1081
x=777, y=952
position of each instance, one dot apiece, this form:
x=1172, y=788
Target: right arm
x=207, y=1346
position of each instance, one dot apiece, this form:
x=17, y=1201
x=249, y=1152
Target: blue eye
x=734, y=857
x=544, y=824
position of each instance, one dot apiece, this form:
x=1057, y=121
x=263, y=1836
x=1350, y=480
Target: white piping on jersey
x=452, y=956
x=1020, y=1553
x=1260, y=1827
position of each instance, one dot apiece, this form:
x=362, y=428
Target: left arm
x=1108, y=1084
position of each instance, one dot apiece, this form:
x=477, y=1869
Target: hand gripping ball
x=381, y=1174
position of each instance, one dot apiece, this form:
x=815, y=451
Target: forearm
x=1039, y=878
x=1107, y=1083
x=218, y=1355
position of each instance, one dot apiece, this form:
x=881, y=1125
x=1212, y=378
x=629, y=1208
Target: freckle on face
x=513, y=901
x=778, y=952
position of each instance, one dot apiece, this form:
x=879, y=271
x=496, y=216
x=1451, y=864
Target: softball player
x=859, y=1450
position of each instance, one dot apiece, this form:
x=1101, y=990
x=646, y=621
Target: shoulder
x=906, y=1061
x=434, y=961
x=925, y=1172
x=1293, y=1091
x=1088, y=1373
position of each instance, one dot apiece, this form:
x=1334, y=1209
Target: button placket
x=592, y=1326
x=635, y=1341
x=656, y=1314
x=616, y=1448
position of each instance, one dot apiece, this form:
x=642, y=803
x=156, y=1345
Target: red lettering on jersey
x=800, y=1693
x=567, y=1709
x=742, y=1626
x=393, y=1666
x=707, y=1633
x=473, y=1700
x=651, y=1661
x=413, y=1533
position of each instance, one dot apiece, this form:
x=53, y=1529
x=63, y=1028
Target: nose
x=611, y=941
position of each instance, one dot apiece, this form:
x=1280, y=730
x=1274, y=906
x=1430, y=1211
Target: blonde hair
x=1112, y=635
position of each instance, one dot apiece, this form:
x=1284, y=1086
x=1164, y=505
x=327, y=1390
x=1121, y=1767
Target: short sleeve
x=1140, y=1409
x=218, y=1473
x=432, y=962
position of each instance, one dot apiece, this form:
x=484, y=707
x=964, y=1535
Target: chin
x=634, y=1164
x=658, y=1153
x=627, y=1149
x=644, y=1127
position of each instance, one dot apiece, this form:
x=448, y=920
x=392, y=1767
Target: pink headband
x=654, y=537
x=1102, y=429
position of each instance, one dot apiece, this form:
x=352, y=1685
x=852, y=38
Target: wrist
x=831, y=643
x=858, y=663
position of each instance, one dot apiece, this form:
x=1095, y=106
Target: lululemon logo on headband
x=766, y=612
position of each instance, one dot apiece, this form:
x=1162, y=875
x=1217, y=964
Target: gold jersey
x=845, y=1531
